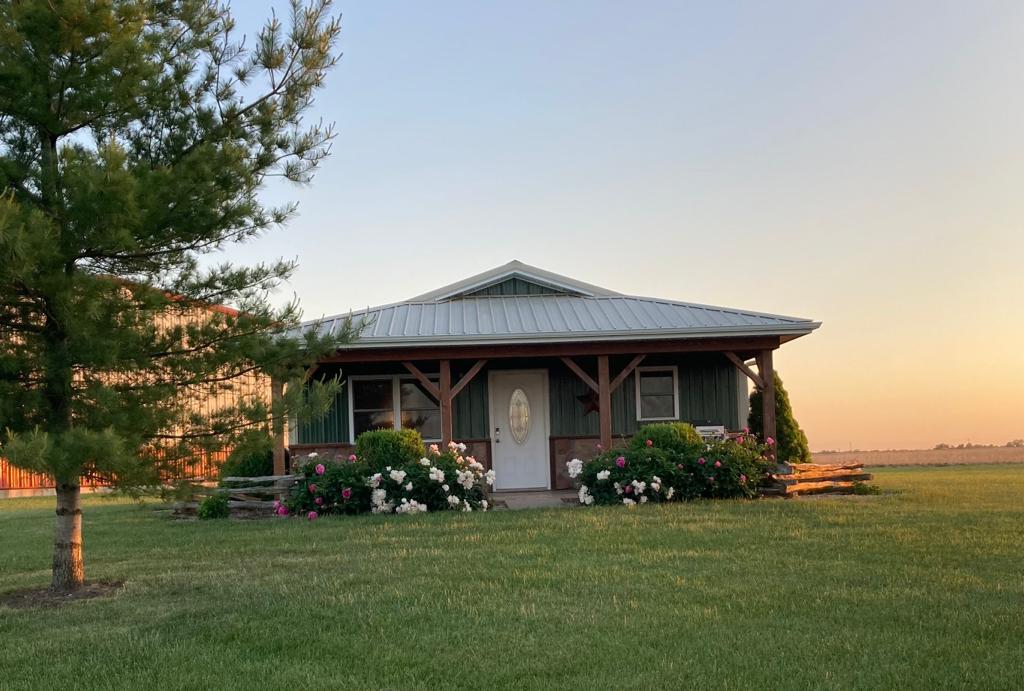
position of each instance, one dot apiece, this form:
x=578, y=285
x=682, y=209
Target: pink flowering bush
x=726, y=469
x=648, y=472
x=436, y=480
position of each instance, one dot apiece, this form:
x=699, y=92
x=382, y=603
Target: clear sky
x=858, y=163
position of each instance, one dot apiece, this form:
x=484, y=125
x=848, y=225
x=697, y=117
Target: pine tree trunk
x=68, y=566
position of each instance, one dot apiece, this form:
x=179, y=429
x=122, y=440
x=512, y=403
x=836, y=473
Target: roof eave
x=787, y=332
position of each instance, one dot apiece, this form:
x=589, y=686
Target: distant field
x=926, y=457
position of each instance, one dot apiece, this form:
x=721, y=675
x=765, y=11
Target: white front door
x=519, y=428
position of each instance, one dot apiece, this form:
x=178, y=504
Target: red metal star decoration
x=591, y=402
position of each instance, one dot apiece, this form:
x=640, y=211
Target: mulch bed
x=44, y=597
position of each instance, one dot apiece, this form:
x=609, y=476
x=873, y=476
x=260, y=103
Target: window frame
x=396, y=398
x=640, y=371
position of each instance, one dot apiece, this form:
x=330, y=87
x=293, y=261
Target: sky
x=861, y=164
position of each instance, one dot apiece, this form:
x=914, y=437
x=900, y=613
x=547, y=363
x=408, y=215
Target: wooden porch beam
x=617, y=382
x=276, y=402
x=742, y=367
x=766, y=369
x=578, y=371
x=468, y=377
x=604, y=397
x=445, y=399
x=430, y=386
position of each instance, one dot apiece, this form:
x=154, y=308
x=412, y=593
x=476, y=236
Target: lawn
x=922, y=587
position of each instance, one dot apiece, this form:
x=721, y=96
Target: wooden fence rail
x=248, y=497
x=815, y=478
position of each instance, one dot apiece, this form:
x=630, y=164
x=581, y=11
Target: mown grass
x=922, y=587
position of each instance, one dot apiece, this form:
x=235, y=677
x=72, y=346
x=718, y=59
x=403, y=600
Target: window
x=392, y=402
x=657, y=393
x=419, y=411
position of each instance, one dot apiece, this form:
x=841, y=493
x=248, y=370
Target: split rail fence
x=816, y=478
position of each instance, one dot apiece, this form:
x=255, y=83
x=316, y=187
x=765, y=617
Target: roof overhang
x=784, y=334
x=745, y=347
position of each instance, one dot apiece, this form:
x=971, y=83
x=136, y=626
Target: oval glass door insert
x=519, y=416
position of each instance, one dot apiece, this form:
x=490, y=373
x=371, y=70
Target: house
x=530, y=369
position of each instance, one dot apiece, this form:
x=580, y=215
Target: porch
x=526, y=409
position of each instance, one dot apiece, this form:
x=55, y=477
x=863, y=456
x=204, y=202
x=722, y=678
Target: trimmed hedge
x=383, y=447
x=669, y=436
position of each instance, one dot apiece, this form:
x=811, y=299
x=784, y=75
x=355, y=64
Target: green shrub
x=679, y=437
x=380, y=448
x=253, y=456
x=642, y=473
x=214, y=506
x=434, y=481
x=791, y=442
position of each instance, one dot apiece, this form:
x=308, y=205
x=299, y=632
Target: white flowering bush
x=433, y=480
x=672, y=467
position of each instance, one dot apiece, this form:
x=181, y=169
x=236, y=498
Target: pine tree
x=791, y=442
x=135, y=138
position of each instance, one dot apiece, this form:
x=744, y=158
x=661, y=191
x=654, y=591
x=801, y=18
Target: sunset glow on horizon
x=861, y=165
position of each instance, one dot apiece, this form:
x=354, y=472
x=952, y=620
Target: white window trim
x=675, y=391
x=396, y=398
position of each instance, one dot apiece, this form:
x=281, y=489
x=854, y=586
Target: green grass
x=922, y=587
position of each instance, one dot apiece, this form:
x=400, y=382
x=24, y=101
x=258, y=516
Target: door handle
x=497, y=435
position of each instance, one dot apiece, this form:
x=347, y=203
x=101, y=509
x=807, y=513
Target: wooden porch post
x=766, y=369
x=445, y=389
x=604, y=397
x=276, y=401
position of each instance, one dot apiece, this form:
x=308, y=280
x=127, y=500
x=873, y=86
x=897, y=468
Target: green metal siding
x=567, y=418
x=707, y=392
x=332, y=427
x=514, y=286
x=470, y=410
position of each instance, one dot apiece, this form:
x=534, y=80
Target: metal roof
x=582, y=313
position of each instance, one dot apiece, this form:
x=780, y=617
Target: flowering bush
x=628, y=476
x=436, y=480
x=647, y=472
